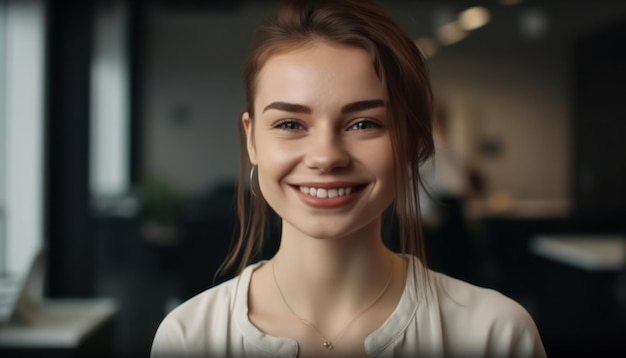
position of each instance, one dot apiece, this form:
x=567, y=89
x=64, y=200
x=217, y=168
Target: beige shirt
x=459, y=319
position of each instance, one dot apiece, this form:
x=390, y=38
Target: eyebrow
x=348, y=108
x=288, y=107
x=362, y=105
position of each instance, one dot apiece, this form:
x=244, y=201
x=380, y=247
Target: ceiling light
x=473, y=18
x=451, y=33
x=428, y=46
x=533, y=23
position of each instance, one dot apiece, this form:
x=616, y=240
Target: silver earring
x=251, y=180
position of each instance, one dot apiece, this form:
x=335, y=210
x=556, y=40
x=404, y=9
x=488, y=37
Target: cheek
x=276, y=154
x=386, y=171
x=378, y=156
x=385, y=157
x=379, y=160
x=275, y=159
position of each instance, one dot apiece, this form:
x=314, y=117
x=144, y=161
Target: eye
x=364, y=125
x=289, y=125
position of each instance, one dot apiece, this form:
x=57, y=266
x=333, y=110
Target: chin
x=324, y=230
x=325, y=235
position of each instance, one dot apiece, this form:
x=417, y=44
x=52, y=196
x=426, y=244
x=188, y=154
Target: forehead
x=318, y=71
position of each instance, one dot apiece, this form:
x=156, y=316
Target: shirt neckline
x=374, y=343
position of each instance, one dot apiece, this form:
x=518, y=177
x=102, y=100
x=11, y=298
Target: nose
x=326, y=152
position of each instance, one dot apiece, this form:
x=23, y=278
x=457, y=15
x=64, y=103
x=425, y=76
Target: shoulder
x=480, y=317
x=462, y=297
x=196, y=310
x=201, y=320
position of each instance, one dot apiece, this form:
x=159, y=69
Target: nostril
x=326, y=162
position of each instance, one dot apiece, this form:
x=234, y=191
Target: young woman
x=337, y=124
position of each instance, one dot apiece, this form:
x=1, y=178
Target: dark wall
x=69, y=237
x=70, y=224
x=599, y=125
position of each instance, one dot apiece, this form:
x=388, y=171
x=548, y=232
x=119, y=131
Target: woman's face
x=321, y=141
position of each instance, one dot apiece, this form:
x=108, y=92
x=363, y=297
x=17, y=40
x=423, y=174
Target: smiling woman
x=338, y=122
x=308, y=135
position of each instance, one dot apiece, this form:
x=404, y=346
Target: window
x=3, y=268
x=110, y=139
x=22, y=56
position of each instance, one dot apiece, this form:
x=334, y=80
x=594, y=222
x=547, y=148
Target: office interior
x=120, y=152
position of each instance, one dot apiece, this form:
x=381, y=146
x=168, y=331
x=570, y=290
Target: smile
x=324, y=193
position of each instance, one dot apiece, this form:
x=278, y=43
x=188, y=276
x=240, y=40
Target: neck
x=340, y=274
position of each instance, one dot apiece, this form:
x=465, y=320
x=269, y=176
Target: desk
x=591, y=253
x=577, y=307
x=63, y=327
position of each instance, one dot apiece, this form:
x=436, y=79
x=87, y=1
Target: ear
x=246, y=121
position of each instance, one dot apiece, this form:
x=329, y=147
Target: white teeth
x=325, y=193
x=322, y=193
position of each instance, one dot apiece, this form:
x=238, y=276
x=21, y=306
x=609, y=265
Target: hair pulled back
x=401, y=68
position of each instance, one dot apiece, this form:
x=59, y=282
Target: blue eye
x=364, y=125
x=289, y=124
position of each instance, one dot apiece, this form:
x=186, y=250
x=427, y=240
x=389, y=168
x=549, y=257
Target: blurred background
x=119, y=152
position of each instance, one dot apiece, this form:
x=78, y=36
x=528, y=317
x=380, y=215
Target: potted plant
x=160, y=208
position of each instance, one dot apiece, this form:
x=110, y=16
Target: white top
x=459, y=319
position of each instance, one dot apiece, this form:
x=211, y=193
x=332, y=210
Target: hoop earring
x=251, y=180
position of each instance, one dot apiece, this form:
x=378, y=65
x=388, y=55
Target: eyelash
x=371, y=125
x=289, y=124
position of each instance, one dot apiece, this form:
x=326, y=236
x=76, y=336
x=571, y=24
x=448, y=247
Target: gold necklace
x=328, y=343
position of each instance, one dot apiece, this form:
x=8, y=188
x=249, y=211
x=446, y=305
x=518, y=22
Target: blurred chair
x=208, y=228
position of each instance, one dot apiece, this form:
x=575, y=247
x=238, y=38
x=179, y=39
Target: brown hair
x=402, y=70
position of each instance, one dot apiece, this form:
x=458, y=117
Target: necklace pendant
x=328, y=345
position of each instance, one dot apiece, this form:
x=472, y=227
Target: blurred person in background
x=448, y=181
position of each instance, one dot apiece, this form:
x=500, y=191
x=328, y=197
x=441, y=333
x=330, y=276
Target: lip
x=328, y=203
x=329, y=185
